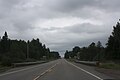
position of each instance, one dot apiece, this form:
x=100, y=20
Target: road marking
x=84, y=71
x=46, y=71
x=36, y=78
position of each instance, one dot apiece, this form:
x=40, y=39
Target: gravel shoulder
x=110, y=72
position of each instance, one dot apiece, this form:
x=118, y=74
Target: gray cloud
x=70, y=5
x=86, y=28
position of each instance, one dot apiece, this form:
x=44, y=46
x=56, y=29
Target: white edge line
x=36, y=77
x=19, y=70
x=85, y=71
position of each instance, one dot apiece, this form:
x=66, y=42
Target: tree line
x=92, y=52
x=13, y=51
x=95, y=51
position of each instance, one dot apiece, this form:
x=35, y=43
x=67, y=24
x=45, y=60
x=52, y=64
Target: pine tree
x=5, y=43
x=66, y=54
x=99, y=44
x=113, y=45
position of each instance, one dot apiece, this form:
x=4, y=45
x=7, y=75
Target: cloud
x=86, y=28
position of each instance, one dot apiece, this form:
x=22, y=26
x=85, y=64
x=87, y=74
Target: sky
x=60, y=24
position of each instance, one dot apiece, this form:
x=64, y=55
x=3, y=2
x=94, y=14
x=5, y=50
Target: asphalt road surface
x=55, y=70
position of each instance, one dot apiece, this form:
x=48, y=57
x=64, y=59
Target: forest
x=15, y=51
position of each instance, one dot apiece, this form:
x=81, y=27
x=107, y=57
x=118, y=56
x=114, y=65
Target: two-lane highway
x=55, y=70
x=65, y=70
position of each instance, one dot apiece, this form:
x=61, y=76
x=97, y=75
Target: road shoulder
x=92, y=69
x=109, y=72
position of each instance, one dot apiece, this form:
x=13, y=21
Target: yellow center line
x=48, y=70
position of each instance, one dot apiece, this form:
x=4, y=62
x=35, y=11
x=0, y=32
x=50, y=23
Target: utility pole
x=27, y=50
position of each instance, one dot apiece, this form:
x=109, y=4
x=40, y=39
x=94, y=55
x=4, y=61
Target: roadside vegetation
x=108, y=56
x=110, y=66
x=17, y=51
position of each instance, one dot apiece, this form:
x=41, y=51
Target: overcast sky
x=60, y=24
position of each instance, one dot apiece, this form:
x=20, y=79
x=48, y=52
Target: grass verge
x=110, y=66
x=4, y=68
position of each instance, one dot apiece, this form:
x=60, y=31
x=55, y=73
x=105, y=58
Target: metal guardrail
x=91, y=63
x=27, y=63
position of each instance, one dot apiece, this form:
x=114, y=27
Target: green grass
x=110, y=66
x=4, y=68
